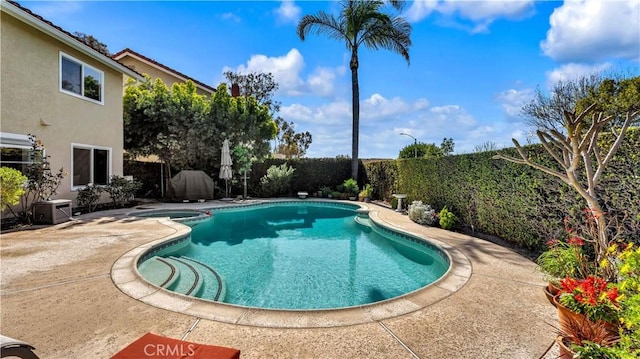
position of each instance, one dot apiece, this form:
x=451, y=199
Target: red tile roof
x=121, y=54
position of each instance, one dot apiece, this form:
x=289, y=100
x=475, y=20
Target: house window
x=81, y=80
x=15, y=151
x=90, y=165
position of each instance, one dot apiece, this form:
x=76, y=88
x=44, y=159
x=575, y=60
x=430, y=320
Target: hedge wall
x=310, y=174
x=516, y=202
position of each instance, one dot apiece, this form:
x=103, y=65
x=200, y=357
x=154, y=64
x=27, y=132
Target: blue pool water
x=309, y=256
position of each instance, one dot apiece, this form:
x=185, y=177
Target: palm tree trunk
x=355, y=103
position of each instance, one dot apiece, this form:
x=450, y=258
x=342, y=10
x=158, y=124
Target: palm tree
x=360, y=22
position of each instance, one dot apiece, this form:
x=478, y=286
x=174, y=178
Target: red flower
x=552, y=242
x=591, y=296
x=575, y=241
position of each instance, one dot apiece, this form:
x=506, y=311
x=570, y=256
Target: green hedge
x=310, y=174
x=512, y=201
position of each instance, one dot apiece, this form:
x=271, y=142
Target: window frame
x=91, y=148
x=83, y=65
x=16, y=140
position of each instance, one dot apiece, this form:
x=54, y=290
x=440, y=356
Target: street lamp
x=415, y=144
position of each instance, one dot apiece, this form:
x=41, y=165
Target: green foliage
x=629, y=286
x=367, y=191
x=515, y=202
x=277, y=181
x=560, y=261
x=291, y=144
x=447, y=146
x=121, y=190
x=383, y=178
x=422, y=150
x=448, y=220
x=12, y=184
x=42, y=183
x=89, y=196
x=350, y=186
x=311, y=173
x=182, y=127
x=325, y=191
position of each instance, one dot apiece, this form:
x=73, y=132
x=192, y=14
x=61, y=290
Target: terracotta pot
x=553, y=288
x=550, y=291
x=565, y=351
x=567, y=317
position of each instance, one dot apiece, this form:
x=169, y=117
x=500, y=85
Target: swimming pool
x=303, y=255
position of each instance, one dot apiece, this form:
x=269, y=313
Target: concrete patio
x=57, y=293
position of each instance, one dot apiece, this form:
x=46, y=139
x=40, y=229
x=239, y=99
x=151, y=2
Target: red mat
x=153, y=346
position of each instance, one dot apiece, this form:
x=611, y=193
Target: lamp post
x=415, y=144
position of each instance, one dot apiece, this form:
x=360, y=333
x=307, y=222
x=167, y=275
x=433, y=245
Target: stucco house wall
x=32, y=101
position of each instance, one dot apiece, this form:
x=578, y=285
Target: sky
x=473, y=64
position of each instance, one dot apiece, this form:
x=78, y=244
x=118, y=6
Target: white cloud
x=512, y=101
x=320, y=82
x=594, y=30
x=420, y=10
x=383, y=119
x=285, y=69
x=288, y=12
x=572, y=71
x=480, y=13
x=287, y=72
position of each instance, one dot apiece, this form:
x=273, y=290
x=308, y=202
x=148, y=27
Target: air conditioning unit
x=52, y=212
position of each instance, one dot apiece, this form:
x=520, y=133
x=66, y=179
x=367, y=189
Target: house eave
x=70, y=41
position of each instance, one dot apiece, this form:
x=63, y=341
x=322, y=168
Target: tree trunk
x=355, y=103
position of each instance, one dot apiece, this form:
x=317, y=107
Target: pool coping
x=125, y=276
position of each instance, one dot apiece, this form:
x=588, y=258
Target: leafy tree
x=421, y=150
x=611, y=96
x=291, y=144
x=447, y=146
x=360, y=23
x=581, y=159
x=260, y=85
x=185, y=129
x=12, y=184
x=92, y=42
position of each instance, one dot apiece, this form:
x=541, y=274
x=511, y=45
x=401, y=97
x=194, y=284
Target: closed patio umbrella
x=225, y=166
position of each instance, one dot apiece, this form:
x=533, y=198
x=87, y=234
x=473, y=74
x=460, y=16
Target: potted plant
x=350, y=187
x=564, y=259
x=366, y=193
x=324, y=192
x=592, y=302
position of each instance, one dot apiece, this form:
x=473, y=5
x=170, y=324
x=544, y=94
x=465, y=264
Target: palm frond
x=321, y=23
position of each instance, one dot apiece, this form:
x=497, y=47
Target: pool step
x=159, y=271
x=213, y=287
x=189, y=281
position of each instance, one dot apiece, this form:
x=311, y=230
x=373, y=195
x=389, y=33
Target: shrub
x=422, y=213
x=89, y=196
x=42, y=183
x=121, y=190
x=447, y=219
x=350, y=186
x=12, y=184
x=277, y=181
